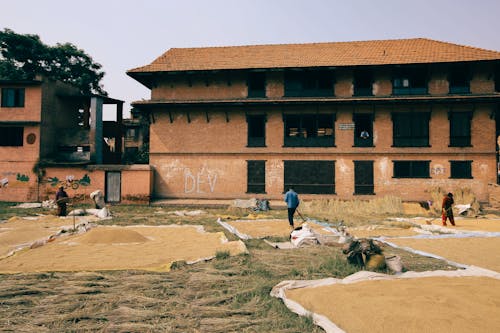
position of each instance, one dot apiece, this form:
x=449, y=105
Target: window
x=256, y=130
x=256, y=176
x=460, y=123
x=411, y=169
x=363, y=177
x=461, y=169
x=410, y=81
x=310, y=177
x=497, y=79
x=363, y=129
x=11, y=136
x=363, y=83
x=410, y=129
x=131, y=133
x=309, y=130
x=308, y=83
x=256, y=84
x=459, y=79
x=13, y=97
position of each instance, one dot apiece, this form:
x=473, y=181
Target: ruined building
x=339, y=120
x=51, y=136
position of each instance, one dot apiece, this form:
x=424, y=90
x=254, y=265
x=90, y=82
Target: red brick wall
x=208, y=160
x=32, y=105
x=135, y=182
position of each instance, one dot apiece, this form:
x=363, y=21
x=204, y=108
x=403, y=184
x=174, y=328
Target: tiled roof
x=376, y=52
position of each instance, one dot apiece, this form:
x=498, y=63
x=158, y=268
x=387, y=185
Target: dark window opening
x=497, y=79
x=256, y=130
x=410, y=129
x=363, y=129
x=411, y=169
x=363, y=83
x=131, y=150
x=132, y=134
x=13, y=97
x=461, y=169
x=72, y=149
x=410, y=81
x=310, y=177
x=363, y=177
x=11, y=136
x=256, y=176
x=459, y=79
x=309, y=130
x=309, y=83
x=460, y=129
x=256, y=84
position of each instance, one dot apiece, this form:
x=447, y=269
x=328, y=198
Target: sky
x=124, y=34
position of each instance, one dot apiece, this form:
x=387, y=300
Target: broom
x=302, y=217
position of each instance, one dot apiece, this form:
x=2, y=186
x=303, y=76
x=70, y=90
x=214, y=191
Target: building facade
x=332, y=120
x=51, y=136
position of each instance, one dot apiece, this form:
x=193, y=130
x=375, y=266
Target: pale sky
x=123, y=34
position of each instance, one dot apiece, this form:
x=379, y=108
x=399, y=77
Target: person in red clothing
x=447, y=208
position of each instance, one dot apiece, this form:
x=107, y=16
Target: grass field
x=226, y=294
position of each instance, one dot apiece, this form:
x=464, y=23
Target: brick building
x=51, y=136
x=341, y=120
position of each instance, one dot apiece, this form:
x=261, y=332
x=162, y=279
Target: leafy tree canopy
x=22, y=57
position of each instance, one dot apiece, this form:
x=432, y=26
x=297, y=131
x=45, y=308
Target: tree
x=22, y=57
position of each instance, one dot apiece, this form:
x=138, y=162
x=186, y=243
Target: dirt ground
x=229, y=293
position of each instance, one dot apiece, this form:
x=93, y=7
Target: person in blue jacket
x=292, y=202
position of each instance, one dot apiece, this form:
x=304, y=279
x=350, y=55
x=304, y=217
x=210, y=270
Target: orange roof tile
x=376, y=52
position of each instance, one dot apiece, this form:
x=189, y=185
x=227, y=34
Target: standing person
x=448, y=209
x=292, y=202
x=61, y=200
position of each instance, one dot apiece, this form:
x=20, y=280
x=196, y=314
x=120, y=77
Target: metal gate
x=113, y=186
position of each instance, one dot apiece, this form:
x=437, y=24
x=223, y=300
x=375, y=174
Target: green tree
x=22, y=57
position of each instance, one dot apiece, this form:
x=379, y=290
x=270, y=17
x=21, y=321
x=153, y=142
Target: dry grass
x=353, y=212
x=227, y=294
x=461, y=196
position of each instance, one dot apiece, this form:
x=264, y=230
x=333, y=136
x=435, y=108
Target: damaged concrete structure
x=51, y=136
x=344, y=120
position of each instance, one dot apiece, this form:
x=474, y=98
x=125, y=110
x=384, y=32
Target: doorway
x=113, y=186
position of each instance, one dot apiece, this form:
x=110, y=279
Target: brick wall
x=201, y=159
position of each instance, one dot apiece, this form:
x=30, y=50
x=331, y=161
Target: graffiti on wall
x=200, y=182
x=438, y=170
x=69, y=182
x=20, y=179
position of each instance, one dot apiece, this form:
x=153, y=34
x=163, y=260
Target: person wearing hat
x=447, y=208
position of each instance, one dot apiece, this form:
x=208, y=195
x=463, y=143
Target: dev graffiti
x=196, y=183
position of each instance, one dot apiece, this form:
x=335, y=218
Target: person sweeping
x=292, y=202
x=447, y=209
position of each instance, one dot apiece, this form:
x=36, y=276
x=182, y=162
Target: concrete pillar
x=96, y=128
